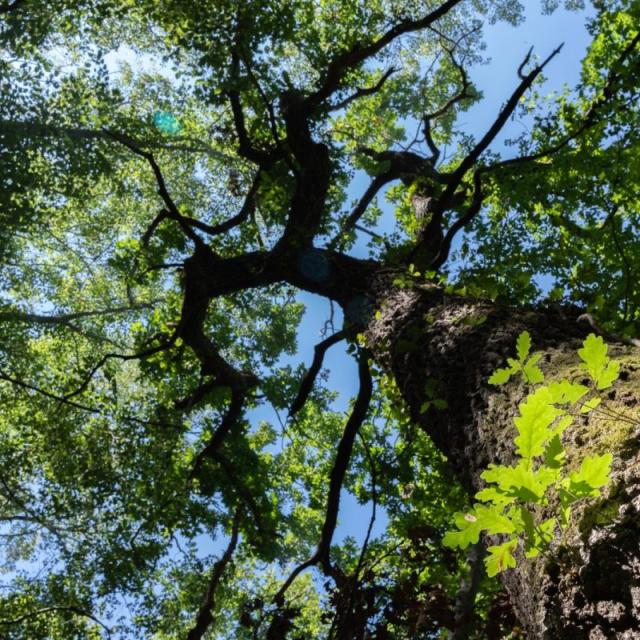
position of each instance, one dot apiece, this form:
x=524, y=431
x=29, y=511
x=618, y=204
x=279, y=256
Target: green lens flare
x=166, y=122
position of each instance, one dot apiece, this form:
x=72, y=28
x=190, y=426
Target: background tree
x=157, y=226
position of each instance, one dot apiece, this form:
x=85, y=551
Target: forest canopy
x=173, y=177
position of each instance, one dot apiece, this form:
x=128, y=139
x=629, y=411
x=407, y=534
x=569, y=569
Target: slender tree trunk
x=588, y=584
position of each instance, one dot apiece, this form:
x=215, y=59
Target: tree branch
x=310, y=376
x=343, y=63
x=65, y=318
x=273, y=124
x=363, y=204
x=403, y=165
x=213, y=230
x=365, y=91
x=475, y=153
x=204, y=618
x=340, y=466
x=70, y=608
x=25, y=385
x=246, y=149
x=458, y=97
x=231, y=417
x=435, y=152
x=190, y=329
x=40, y=129
x=587, y=122
x=119, y=356
x=313, y=175
x=374, y=499
x=433, y=241
x=76, y=405
x=172, y=209
x=472, y=210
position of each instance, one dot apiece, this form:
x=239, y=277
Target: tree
x=157, y=226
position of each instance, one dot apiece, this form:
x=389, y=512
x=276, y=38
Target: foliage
x=588, y=190
x=536, y=493
x=179, y=179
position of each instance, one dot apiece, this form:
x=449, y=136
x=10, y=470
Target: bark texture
x=587, y=586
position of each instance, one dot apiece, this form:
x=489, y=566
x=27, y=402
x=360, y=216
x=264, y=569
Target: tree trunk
x=587, y=585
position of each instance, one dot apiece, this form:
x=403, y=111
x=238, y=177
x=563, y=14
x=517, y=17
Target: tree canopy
x=172, y=176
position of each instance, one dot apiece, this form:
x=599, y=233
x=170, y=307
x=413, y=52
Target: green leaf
x=593, y=352
x=492, y=520
x=532, y=374
x=536, y=415
x=602, y=370
x=590, y=404
x=520, y=481
x=468, y=531
x=470, y=525
x=593, y=474
x=562, y=424
x=554, y=454
x=534, y=359
x=495, y=495
x=501, y=376
x=523, y=345
x=438, y=403
x=609, y=375
x=501, y=557
x=564, y=392
x=514, y=364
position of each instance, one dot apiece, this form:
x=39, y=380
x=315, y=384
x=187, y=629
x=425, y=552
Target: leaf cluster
x=528, y=500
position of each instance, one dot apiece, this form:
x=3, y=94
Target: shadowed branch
x=338, y=472
x=310, y=377
x=365, y=91
x=343, y=63
x=204, y=618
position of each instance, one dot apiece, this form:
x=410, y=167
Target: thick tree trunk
x=587, y=586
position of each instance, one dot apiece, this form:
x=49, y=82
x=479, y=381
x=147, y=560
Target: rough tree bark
x=588, y=585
